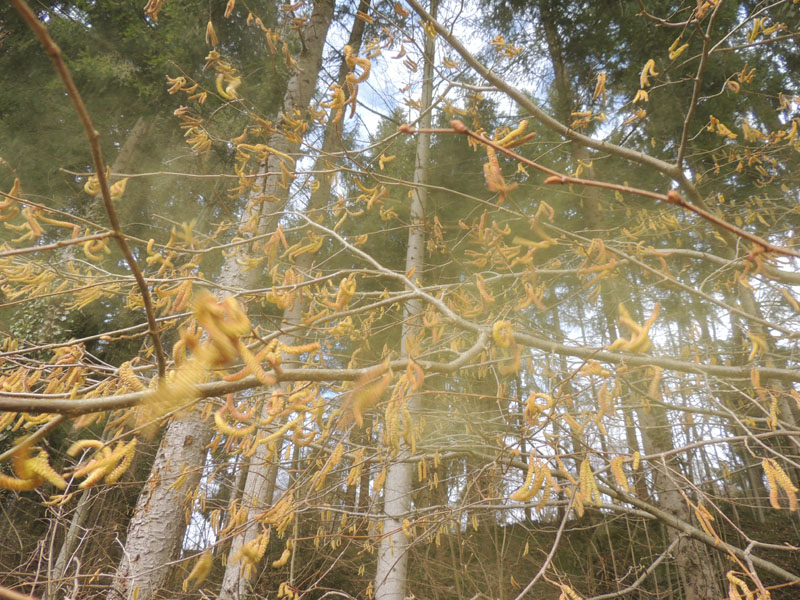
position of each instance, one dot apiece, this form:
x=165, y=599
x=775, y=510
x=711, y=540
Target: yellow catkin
x=6, y=419
x=392, y=425
x=777, y=478
x=31, y=472
x=254, y=550
x=282, y=514
x=100, y=458
x=332, y=461
x=123, y=465
x=407, y=528
x=772, y=484
x=19, y=485
x=249, y=551
x=604, y=400
x=502, y=333
x=42, y=468
x=129, y=378
x=200, y=571
x=224, y=427
x=538, y=480
x=281, y=430
x=408, y=427
x=377, y=485
x=578, y=503
x=358, y=465
x=99, y=468
x=548, y=477
x=568, y=593
x=565, y=472
x=521, y=495
x=619, y=474
x=181, y=480
x=705, y=518
x=774, y=411
x=574, y=425
x=588, y=483
x=303, y=349
x=365, y=394
x=735, y=585
x=92, y=478
x=19, y=461
x=653, y=390
x=76, y=448
x=276, y=564
x=254, y=367
x=648, y=70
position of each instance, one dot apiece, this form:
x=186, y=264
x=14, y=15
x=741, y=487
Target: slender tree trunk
x=69, y=545
x=390, y=578
x=260, y=483
x=696, y=571
x=125, y=161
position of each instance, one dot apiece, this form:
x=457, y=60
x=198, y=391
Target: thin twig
x=73, y=407
x=56, y=245
x=668, y=169
x=9, y=594
x=536, y=111
x=673, y=197
x=553, y=548
x=698, y=83
x=632, y=587
x=34, y=437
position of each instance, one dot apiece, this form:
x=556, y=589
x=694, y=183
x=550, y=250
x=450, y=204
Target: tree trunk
x=260, y=483
x=162, y=511
x=68, y=546
x=126, y=160
x=696, y=571
x=390, y=577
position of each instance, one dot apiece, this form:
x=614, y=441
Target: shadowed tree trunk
x=162, y=511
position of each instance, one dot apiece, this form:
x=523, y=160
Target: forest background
x=390, y=300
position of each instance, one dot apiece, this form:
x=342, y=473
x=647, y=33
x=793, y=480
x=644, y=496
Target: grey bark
x=390, y=577
x=692, y=560
x=156, y=529
x=260, y=483
x=68, y=546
